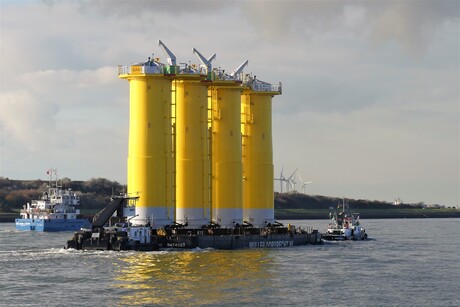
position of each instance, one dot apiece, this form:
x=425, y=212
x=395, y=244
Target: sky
x=370, y=106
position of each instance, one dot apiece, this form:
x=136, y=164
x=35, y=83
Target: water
x=409, y=262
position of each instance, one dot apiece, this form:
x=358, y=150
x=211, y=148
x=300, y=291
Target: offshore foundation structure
x=200, y=163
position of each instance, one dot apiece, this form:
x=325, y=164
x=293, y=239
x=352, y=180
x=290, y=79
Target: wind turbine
x=290, y=183
x=281, y=180
x=304, y=184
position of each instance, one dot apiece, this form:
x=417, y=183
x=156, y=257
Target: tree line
x=303, y=201
x=94, y=193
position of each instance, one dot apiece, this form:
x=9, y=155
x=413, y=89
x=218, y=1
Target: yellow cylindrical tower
x=149, y=157
x=258, y=202
x=227, y=169
x=192, y=152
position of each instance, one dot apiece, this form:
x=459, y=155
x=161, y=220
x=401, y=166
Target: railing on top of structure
x=158, y=68
x=261, y=86
x=141, y=68
x=218, y=74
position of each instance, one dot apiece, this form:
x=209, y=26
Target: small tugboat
x=344, y=225
x=54, y=211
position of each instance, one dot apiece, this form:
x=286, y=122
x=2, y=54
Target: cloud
x=125, y=9
x=367, y=85
x=26, y=121
x=69, y=78
x=407, y=23
x=412, y=23
x=52, y=102
x=378, y=151
x=65, y=119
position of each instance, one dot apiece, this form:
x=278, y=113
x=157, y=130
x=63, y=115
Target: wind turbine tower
x=304, y=184
x=290, y=182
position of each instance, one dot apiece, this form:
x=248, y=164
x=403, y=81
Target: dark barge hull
x=230, y=242
x=123, y=236
x=118, y=240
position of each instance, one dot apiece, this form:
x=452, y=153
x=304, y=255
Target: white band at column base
x=193, y=217
x=259, y=217
x=155, y=217
x=227, y=218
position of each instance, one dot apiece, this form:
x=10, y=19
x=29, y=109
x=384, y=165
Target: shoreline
x=376, y=217
x=285, y=214
x=10, y=218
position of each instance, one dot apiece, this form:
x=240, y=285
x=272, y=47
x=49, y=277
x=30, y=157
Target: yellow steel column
x=149, y=156
x=192, y=152
x=227, y=170
x=258, y=202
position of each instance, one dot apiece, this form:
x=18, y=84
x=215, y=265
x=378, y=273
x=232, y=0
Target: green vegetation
x=95, y=195
x=301, y=206
x=298, y=214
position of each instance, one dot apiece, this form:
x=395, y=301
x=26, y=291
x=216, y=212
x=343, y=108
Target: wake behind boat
x=344, y=225
x=53, y=211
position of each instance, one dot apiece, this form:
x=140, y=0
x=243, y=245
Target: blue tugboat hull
x=52, y=225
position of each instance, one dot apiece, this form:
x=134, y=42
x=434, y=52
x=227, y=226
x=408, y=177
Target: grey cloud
x=409, y=23
x=142, y=7
x=27, y=121
x=412, y=23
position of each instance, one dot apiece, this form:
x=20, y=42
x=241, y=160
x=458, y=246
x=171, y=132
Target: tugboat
x=344, y=225
x=53, y=211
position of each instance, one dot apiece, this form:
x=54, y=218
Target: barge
x=123, y=236
x=200, y=159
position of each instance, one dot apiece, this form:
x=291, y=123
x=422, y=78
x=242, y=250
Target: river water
x=408, y=262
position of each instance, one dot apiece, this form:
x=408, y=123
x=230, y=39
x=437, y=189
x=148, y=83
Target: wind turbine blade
x=300, y=177
x=293, y=174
